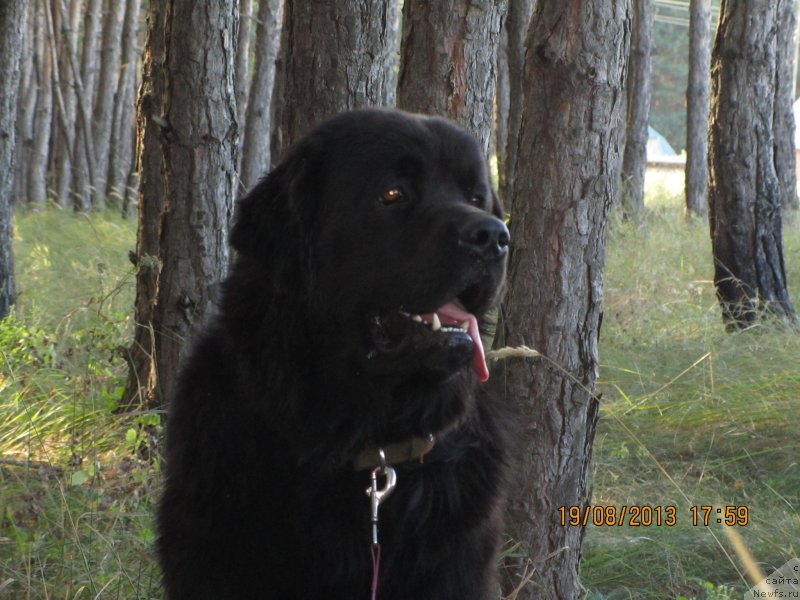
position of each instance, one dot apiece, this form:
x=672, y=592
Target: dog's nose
x=485, y=235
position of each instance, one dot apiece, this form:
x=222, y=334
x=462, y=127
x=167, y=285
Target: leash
x=376, y=496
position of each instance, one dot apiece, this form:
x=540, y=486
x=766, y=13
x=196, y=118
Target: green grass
x=690, y=415
x=75, y=502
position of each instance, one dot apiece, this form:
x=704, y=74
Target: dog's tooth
x=404, y=313
x=416, y=318
x=436, y=324
x=464, y=325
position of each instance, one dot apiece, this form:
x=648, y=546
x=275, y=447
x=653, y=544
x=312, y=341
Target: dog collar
x=414, y=448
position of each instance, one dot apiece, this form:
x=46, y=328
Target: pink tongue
x=450, y=314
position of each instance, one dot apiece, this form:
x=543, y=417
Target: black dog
x=349, y=326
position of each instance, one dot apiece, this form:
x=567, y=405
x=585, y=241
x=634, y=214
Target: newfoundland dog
x=346, y=363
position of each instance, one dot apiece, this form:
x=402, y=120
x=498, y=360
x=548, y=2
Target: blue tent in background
x=657, y=145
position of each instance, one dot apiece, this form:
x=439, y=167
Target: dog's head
x=384, y=229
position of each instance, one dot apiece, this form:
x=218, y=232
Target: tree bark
x=634, y=161
x=108, y=86
x=784, y=126
x=745, y=192
x=243, y=59
x=570, y=141
x=83, y=171
x=258, y=123
x=65, y=44
x=517, y=23
x=188, y=147
x=448, y=61
x=40, y=149
x=697, y=108
x=340, y=55
x=121, y=150
x=12, y=22
x=32, y=44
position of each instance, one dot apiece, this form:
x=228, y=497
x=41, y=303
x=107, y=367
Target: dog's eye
x=392, y=195
x=478, y=201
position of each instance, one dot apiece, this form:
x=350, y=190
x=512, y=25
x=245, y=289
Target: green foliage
x=690, y=415
x=74, y=497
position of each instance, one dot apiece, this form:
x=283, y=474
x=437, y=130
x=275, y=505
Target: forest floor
x=690, y=416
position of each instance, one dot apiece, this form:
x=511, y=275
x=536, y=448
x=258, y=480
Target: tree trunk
x=42, y=125
x=64, y=45
x=697, y=108
x=121, y=150
x=570, y=141
x=634, y=161
x=784, y=125
x=83, y=168
x=108, y=86
x=745, y=192
x=12, y=22
x=517, y=23
x=187, y=152
x=347, y=62
x=32, y=44
x=258, y=124
x=448, y=61
x=243, y=59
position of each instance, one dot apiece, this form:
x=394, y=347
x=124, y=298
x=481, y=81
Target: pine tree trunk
x=122, y=127
x=745, y=192
x=784, y=125
x=83, y=168
x=188, y=153
x=66, y=44
x=12, y=22
x=26, y=103
x=42, y=124
x=634, y=161
x=258, y=122
x=697, y=108
x=108, y=85
x=348, y=61
x=448, y=61
x=570, y=141
x=517, y=23
x=243, y=59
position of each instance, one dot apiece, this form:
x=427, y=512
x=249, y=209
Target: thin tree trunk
x=348, y=61
x=784, y=125
x=64, y=45
x=83, y=171
x=634, y=161
x=32, y=44
x=745, y=192
x=697, y=108
x=243, y=59
x=121, y=150
x=108, y=85
x=256, y=144
x=37, y=182
x=187, y=152
x=12, y=23
x=570, y=141
x=517, y=23
x=448, y=61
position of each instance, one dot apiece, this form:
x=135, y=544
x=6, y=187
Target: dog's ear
x=274, y=217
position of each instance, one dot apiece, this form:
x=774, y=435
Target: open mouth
x=450, y=327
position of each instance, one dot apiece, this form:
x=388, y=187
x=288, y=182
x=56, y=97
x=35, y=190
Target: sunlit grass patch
x=691, y=416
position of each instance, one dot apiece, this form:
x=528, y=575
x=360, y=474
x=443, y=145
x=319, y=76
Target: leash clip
x=377, y=494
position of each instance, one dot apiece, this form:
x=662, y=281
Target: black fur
x=308, y=362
